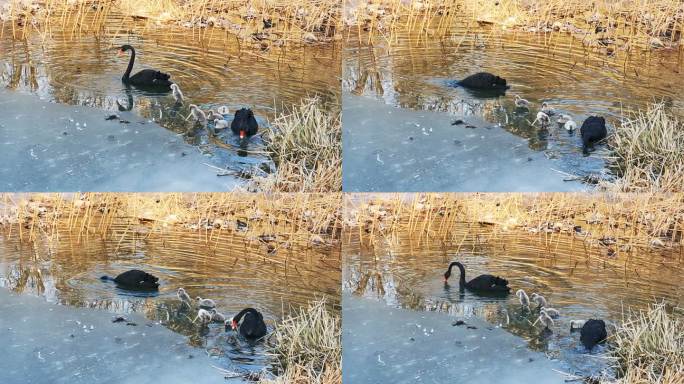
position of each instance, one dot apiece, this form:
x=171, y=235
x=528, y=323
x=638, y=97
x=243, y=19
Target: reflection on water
x=416, y=72
x=234, y=272
x=211, y=72
x=579, y=281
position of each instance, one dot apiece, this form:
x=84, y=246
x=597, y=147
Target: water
x=415, y=73
x=235, y=272
x=212, y=71
x=580, y=281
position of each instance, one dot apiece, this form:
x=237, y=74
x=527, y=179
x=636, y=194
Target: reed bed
x=648, y=347
x=613, y=223
x=622, y=24
x=307, y=346
x=648, y=152
x=274, y=220
x=264, y=23
x=305, y=143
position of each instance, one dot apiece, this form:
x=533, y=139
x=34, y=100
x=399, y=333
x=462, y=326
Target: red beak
x=234, y=325
x=242, y=134
x=120, y=52
x=445, y=280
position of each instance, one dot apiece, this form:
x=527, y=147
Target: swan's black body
x=147, y=78
x=244, y=124
x=252, y=325
x=593, y=332
x=135, y=280
x=593, y=129
x=484, y=81
x=481, y=284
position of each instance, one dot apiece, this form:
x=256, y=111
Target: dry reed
x=626, y=221
x=308, y=346
x=648, y=347
x=306, y=145
x=274, y=22
x=648, y=150
x=623, y=24
x=287, y=220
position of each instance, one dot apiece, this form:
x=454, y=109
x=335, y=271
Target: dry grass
x=649, y=347
x=625, y=221
x=306, y=145
x=286, y=219
x=649, y=152
x=308, y=346
x=622, y=24
x=298, y=21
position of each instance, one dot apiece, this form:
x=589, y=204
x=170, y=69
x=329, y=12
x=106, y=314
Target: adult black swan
x=244, y=124
x=484, y=81
x=481, y=284
x=147, y=78
x=593, y=129
x=135, y=280
x=249, y=323
x=593, y=332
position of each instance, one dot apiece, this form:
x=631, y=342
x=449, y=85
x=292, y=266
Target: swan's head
x=174, y=86
x=181, y=291
x=124, y=48
x=243, y=119
x=447, y=275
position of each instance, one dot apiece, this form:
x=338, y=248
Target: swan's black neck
x=461, y=280
x=127, y=74
x=242, y=313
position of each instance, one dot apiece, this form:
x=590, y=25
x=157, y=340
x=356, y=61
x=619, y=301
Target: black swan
x=244, y=123
x=252, y=325
x=482, y=283
x=593, y=332
x=146, y=77
x=484, y=81
x=135, y=279
x=593, y=129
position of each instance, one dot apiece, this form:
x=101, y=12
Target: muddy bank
x=387, y=344
x=394, y=149
x=54, y=147
x=47, y=343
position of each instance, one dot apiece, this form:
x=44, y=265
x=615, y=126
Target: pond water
x=213, y=70
x=578, y=280
x=236, y=273
x=413, y=76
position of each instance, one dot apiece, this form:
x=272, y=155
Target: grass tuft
x=649, y=152
x=307, y=346
x=306, y=145
x=649, y=347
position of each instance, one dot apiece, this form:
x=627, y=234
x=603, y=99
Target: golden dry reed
x=621, y=24
x=288, y=220
x=265, y=21
x=308, y=347
x=648, y=152
x=648, y=347
x=623, y=221
x=305, y=143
